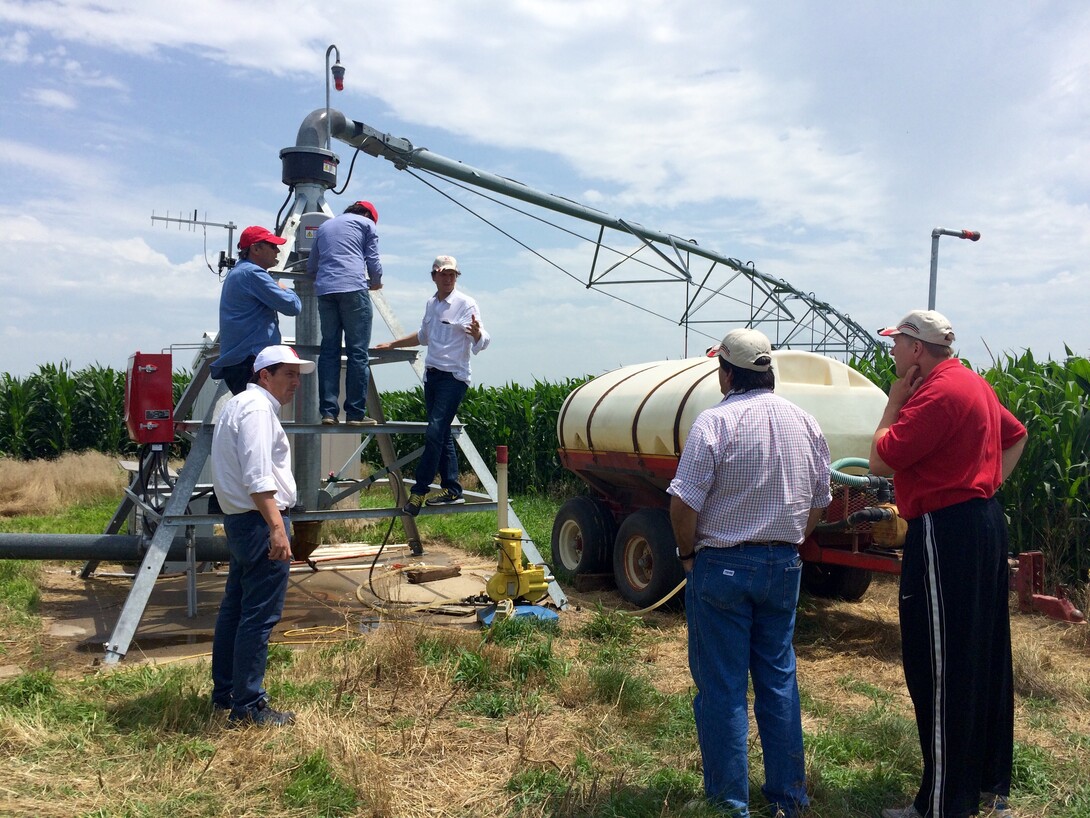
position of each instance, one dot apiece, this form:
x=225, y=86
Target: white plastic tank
x=649, y=408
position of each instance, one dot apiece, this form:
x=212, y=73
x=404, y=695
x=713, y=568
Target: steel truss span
x=720, y=292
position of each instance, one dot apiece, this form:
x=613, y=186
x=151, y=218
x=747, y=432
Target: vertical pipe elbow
x=313, y=129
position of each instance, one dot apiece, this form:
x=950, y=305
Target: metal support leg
x=389, y=460
x=144, y=583
x=191, y=571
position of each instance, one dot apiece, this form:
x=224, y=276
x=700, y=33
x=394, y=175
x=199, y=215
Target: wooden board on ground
x=418, y=575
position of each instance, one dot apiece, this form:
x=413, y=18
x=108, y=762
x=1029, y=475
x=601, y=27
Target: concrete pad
x=83, y=613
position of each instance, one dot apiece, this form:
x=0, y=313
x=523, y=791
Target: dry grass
x=402, y=733
x=399, y=730
x=38, y=487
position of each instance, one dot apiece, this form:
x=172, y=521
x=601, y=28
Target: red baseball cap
x=371, y=209
x=255, y=233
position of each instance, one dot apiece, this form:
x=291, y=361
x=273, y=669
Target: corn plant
x=878, y=368
x=15, y=403
x=54, y=393
x=1048, y=496
x=99, y=411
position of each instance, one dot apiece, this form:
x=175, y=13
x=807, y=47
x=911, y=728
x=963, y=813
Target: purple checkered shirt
x=753, y=467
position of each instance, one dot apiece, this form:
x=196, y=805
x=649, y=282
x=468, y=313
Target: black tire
x=645, y=563
x=582, y=536
x=835, y=581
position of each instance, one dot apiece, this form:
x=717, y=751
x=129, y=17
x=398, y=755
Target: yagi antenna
x=226, y=261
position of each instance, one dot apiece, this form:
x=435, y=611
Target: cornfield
x=1047, y=499
x=57, y=410
x=521, y=418
x=1048, y=496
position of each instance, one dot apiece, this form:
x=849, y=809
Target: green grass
x=19, y=587
x=473, y=533
x=313, y=786
x=615, y=686
x=83, y=518
x=577, y=721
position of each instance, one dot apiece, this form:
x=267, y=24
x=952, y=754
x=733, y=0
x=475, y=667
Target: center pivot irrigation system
x=720, y=292
x=163, y=516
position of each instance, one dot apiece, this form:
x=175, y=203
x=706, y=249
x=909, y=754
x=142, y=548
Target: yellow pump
x=512, y=579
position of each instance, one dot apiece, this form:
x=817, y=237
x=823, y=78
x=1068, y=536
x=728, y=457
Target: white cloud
x=52, y=98
x=15, y=48
x=823, y=144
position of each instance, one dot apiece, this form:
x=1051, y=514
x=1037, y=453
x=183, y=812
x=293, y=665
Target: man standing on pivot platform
x=452, y=330
x=345, y=264
x=950, y=444
x=249, y=303
x=251, y=473
x=750, y=487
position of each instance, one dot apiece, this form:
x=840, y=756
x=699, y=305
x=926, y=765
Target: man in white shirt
x=252, y=477
x=451, y=330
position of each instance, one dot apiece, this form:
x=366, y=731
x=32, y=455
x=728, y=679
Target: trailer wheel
x=835, y=581
x=582, y=536
x=645, y=563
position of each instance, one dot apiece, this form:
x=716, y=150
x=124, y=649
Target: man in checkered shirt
x=750, y=487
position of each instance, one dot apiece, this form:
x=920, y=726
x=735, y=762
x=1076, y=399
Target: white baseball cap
x=923, y=325
x=747, y=349
x=282, y=354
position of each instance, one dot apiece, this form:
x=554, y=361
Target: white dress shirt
x=250, y=453
x=443, y=330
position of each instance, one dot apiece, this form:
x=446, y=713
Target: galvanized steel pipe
x=103, y=547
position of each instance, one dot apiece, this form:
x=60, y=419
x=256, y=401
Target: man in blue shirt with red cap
x=249, y=303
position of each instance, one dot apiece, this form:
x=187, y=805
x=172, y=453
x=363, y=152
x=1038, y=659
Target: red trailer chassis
x=630, y=490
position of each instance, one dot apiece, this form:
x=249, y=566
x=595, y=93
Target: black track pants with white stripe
x=956, y=648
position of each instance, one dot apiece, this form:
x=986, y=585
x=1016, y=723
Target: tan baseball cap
x=923, y=325
x=747, y=349
x=444, y=263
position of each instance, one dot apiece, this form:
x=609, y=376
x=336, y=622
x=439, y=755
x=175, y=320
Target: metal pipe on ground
x=103, y=547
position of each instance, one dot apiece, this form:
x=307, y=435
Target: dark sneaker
x=220, y=710
x=903, y=812
x=993, y=805
x=263, y=716
x=412, y=508
x=446, y=497
x=329, y=420
x=363, y=421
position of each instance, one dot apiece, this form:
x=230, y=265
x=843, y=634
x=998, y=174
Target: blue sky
x=821, y=142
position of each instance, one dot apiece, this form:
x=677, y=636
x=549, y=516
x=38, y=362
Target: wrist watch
x=684, y=557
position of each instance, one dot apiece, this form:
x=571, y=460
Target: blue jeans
x=253, y=600
x=348, y=314
x=443, y=395
x=740, y=606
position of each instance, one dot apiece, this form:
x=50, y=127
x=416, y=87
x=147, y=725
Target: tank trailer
x=623, y=432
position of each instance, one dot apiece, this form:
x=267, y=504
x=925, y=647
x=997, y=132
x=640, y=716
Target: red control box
x=149, y=398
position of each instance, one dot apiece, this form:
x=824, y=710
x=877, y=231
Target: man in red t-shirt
x=951, y=444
